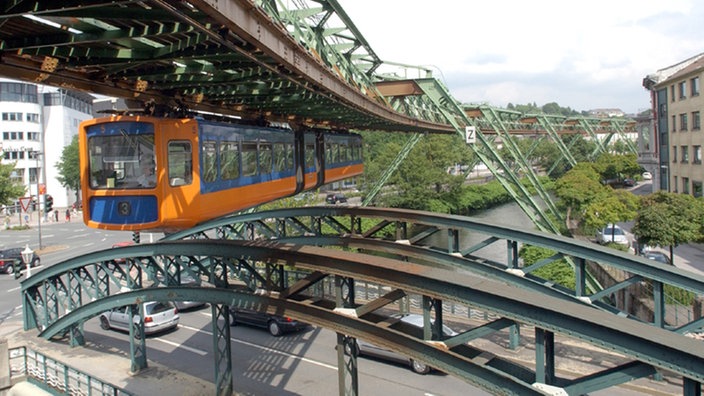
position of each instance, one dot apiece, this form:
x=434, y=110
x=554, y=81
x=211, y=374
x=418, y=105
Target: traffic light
x=135, y=237
x=48, y=203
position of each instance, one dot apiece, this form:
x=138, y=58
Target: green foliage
x=676, y=294
x=559, y=271
x=68, y=167
x=9, y=190
x=669, y=219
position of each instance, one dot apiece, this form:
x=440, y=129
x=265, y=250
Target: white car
x=647, y=176
x=158, y=316
x=365, y=348
x=612, y=234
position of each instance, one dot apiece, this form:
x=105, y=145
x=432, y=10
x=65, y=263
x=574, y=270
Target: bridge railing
x=55, y=376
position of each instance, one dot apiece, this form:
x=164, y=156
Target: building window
x=674, y=183
x=685, y=185
x=696, y=121
x=33, y=172
x=694, y=86
x=672, y=93
x=33, y=117
x=18, y=92
x=697, y=189
x=12, y=116
x=683, y=89
x=13, y=136
x=674, y=123
x=685, y=154
x=697, y=153
x=17, y=175
x=683, y=122
x=34, y=136
x=674, y=153
x=14, y=155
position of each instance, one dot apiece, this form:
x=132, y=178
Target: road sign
x=24, y=203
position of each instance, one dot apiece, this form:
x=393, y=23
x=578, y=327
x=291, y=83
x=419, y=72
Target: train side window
x=328, y=153
x=280, y=157
x=290, y=152
x=310, y=155
x=229, y=160
x=249, y=159
x=335, y=153
x=180, y=163
x=209, y=171
x=265, y=158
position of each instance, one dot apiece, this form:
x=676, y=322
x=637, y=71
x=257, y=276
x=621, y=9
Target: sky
x=580, y=54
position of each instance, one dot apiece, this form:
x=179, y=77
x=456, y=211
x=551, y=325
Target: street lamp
x=27, y=254
x=39, y=200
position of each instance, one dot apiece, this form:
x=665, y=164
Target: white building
x=37, y=118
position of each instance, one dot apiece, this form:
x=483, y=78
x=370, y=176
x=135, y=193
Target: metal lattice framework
x=331, y=288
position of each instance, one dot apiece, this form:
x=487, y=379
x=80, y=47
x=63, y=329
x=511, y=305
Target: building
x=677, y=107
x=40, y=119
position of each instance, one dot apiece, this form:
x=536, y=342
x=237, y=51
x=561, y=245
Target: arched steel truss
x=321, y=285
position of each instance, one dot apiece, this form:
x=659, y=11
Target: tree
x=9, y=190
x=668, y=219
x=577, y=188
x=69, y=168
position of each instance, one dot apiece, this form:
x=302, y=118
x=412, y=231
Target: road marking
x=13, y=289
x=181, y=346
x=292, y=356
x=78, y=236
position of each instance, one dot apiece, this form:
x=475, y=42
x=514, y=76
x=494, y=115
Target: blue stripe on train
x=124, y=210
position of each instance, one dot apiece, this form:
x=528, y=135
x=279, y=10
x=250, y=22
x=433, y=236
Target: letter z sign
x=470, y=134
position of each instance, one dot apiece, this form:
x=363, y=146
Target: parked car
x=335, y=198
x=647, y=176
x=629, y=182
x=657, y=256
x=8, y=257
x=119, y=245
x=276, y=324
x=158, y=316
x=612, y=234
x=186, y=280
x=365, y=348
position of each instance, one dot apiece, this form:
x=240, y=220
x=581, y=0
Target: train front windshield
x=122, y=160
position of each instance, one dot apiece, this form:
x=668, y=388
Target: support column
x=138, y=343
x=544, y=356
x=222, y=349
x=347, y=376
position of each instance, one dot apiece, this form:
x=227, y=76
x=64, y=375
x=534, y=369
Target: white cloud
x=578, y=54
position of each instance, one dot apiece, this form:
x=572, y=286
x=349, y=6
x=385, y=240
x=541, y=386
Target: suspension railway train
x=143, y=173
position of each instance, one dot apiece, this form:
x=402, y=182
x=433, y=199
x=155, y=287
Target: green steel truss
x=333, y=288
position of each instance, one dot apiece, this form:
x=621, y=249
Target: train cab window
x=229, y=160
x=119, y=160
x=180, y=163
x=209, y=170
x=265, y=158
x=249, y=159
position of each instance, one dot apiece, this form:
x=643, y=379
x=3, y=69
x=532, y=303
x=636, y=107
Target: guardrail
x=55, y=376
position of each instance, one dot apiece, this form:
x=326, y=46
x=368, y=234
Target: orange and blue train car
x=144, y=173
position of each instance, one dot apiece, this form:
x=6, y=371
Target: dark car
x=657, y=256
x=629, y=182
x=335, y=198
x=365, y=348
x=277, y=325
x=14, y=255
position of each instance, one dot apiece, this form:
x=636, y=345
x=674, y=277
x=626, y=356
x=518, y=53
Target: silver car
x=158, y=316
x=365, y=348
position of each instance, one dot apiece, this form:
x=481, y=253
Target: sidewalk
x=105, y=364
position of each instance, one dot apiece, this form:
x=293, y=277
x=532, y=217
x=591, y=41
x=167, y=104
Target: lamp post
x=39, y=200
x=27, y=254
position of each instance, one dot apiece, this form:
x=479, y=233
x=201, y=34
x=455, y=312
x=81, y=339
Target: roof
x=673, y=72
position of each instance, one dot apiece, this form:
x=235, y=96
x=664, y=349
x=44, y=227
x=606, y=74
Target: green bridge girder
x=223, y=268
